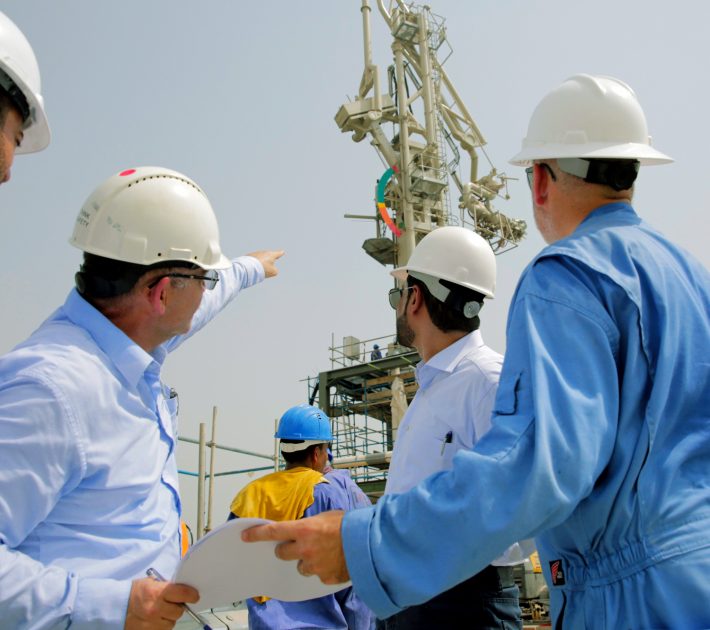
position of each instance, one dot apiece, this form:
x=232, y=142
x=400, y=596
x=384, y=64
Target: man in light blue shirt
x=444, y=284
x=600, y=441
x=89, y=496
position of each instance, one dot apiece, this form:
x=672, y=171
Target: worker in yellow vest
x=300, y=490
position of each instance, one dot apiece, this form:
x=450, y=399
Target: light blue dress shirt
x=600, y=445
x=89, y=494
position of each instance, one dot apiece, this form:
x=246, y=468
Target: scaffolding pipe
x=210, y=496
x=201, y=483
x=226, y=473
x=229, y=448
x=276, y=446
x=369, y=459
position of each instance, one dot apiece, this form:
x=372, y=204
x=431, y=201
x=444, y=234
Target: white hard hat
x=592, y=117
x=149, y=215
x=456, y=254
x=19, y=64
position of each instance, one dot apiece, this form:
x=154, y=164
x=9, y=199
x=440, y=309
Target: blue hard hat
x=304, y=422
x=375, y=346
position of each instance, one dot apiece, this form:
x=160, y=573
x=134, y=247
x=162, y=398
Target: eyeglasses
x=209, y=280
x=395, y=295
x=529, y=172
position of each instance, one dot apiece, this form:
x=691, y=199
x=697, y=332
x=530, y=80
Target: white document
x=224, y=569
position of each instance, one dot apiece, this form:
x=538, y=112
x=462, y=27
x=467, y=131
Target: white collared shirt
x=450, y=411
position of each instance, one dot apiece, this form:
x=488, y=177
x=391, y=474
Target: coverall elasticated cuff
x=355, y=533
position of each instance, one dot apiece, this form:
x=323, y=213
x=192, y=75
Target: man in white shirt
x=444, y=284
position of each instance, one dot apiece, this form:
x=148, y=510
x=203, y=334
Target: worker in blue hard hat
x=376, y=352
x=300, y=490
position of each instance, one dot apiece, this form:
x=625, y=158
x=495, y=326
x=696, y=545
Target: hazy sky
x=240, y=96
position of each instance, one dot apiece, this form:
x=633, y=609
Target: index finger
x=271, y=531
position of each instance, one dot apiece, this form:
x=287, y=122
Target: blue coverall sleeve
x=553, y=431
x=326, y=496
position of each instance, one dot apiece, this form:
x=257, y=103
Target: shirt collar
x=128, y=357
x=618, y=213
x=447, y=360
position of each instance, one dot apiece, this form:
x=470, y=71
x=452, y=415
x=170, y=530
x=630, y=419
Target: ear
x=541, y=183
x=416, y=299
x=158, y=296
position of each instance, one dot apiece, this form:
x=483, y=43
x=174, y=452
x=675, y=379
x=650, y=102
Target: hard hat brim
x=37, y=135
x=401, y=273
x=222, y=263
x=646, y=155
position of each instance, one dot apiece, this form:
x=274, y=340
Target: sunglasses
x=209, y=279
x=395, y=295
x=529, y=173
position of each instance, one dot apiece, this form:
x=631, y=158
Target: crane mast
x=431, y=128
x=421, y=129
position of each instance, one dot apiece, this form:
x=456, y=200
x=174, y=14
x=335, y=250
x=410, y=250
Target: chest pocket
x=512, y=414
x=506, y=403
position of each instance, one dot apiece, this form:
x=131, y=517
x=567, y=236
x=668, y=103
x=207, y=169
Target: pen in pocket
x=447, y=440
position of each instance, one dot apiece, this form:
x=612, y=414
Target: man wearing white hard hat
x=600, y=446
x=442, y=289
x=23, y=123
x=89, y=496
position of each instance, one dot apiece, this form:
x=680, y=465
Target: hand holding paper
x=226, y=569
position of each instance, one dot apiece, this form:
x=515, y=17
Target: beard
x=405, y=335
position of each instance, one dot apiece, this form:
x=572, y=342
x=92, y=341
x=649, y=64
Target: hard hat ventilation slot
x=179, y=179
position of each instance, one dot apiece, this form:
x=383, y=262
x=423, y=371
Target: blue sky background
x=240, y=96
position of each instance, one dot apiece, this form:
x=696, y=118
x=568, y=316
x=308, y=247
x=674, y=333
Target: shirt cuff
x=101, y=603
x=355, y=533
x=253, y=267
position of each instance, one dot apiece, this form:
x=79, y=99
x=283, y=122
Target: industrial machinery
x=420, y=128
x=431, y=129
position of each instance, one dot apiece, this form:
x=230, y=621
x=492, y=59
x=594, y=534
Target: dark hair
x=12, y=96
x=298, y=457
x=101, y=278
x=6, y=103
x=448, y=316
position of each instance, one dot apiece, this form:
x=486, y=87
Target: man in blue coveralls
x=600, y=444
x=301, y=489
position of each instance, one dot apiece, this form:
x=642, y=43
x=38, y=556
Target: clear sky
x=240, y=96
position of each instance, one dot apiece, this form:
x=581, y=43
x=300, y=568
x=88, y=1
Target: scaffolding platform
x=358, y=398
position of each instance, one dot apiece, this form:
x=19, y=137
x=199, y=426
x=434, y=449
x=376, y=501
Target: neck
x=436, y=341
